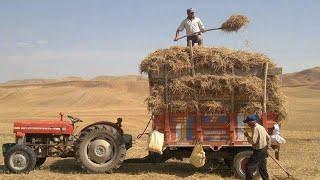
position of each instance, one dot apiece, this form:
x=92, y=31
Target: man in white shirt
x=192, y=24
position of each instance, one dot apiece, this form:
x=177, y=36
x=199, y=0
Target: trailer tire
x=100, y=149
x=20, y=159
x=239, y=164
x=40, y=161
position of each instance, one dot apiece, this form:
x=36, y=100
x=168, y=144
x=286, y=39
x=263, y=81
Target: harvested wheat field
x=112, y=97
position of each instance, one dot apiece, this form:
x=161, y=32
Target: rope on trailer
x=144, y=131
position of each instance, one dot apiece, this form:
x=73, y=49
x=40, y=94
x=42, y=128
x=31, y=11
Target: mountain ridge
x=308, y=77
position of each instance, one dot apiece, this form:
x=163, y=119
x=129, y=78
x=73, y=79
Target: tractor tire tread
x=114, y=134
x=29, y=151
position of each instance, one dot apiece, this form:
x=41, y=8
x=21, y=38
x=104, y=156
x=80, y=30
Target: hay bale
x=187, y=86
x=250, y=86
x=216, y=61
x=251, y=108
x=213, y=107
x=176, y=59
x=218, y=84
x=180, y=106
x=234, y=23
x=180, y=88
x=215, y=82
x=155, y=101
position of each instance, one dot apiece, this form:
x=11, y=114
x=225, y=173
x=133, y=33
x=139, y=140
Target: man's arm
x=180, y=28
x=201, y=26
x=177, y=35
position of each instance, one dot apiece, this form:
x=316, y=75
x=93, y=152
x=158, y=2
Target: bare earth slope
x=108, y=97
x=308, y=77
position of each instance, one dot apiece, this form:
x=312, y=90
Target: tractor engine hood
x=55, y=127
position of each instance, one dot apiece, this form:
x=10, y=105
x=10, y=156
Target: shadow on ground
x=174, y=168
x=179, y=169
x=65, y=166
x=2, y=169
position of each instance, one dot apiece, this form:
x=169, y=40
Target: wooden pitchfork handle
x=206, y=30
x=288, y=174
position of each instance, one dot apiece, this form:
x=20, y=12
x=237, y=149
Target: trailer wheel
x=100, y=149
x=240, y=164
x=40, y=161
x=20, y=159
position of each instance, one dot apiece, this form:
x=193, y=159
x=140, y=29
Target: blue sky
x=49, y=39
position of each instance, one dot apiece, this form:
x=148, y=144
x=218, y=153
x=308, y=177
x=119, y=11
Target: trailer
x=222, y=137
x=221, y=134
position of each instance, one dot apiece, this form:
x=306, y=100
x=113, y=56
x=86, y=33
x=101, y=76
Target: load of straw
x=176, y=60
x=234, y=23
x=225, y=80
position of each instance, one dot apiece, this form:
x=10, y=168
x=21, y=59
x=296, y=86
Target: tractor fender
x=125, y=138
x=116, y=126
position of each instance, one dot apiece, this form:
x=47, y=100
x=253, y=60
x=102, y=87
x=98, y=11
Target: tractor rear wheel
x=20, y=159
x=100, y=149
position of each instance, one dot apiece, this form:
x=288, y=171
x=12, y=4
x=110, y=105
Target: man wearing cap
x=192, y=24
x=260, y=141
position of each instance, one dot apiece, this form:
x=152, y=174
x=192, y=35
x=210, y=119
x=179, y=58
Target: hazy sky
x=48, y=39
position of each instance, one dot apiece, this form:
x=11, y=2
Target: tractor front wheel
x=100, y=149
x=20, y=159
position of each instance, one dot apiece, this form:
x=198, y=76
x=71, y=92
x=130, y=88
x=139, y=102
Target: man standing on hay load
x=192, y=24
x=260, y=141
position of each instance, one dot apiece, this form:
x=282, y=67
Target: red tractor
x=99, y=147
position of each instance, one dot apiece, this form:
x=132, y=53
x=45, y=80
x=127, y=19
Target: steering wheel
x=74, y=119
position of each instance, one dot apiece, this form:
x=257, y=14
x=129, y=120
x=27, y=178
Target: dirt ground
x=300, y=155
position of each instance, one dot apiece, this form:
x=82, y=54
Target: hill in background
x=308, y=77
x=42, y=80
x=73, y=92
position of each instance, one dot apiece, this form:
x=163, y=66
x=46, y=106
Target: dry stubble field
x=124, y=97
